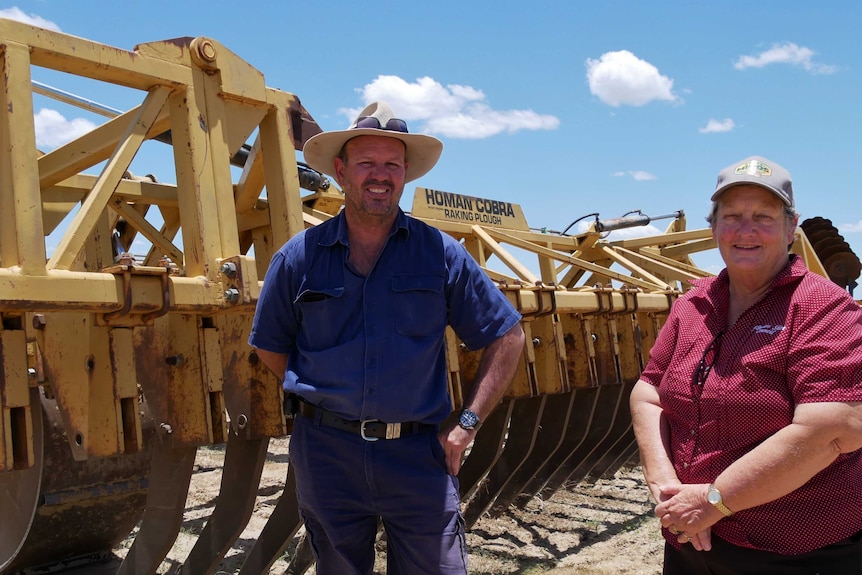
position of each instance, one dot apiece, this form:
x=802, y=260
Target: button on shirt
x=374, y=347
x=802, y=342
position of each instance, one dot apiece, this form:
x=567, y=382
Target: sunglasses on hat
x=393, y=125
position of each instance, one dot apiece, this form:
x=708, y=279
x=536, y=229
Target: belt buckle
x=362, y=429
x=393, y=430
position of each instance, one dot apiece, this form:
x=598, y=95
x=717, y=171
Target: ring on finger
x=673, y=530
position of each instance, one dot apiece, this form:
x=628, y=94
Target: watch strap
x=725, y=510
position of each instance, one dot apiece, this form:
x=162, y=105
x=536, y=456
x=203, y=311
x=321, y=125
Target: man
x=352, y=315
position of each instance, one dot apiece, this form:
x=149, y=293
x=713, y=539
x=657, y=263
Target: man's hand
x=454, y=441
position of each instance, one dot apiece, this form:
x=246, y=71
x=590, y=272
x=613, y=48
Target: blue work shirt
x=374, y=347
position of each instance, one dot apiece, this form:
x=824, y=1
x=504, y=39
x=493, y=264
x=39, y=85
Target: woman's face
x=752, y=232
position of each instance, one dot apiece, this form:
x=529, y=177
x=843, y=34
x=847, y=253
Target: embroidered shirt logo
x=770, y=329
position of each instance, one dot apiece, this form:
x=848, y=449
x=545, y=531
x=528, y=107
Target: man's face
x=372, y=177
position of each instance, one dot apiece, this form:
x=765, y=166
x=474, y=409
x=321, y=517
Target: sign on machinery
x=457, y=208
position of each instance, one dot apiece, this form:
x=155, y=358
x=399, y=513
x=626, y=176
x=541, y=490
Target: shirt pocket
x=419, y=304
x=323, y=313
x=677, y=381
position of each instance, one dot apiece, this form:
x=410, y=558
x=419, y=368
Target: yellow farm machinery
x=115, y=368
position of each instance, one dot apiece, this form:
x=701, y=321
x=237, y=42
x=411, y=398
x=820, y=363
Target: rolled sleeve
x=825, y=360
x=275, y=323
x=479, y=311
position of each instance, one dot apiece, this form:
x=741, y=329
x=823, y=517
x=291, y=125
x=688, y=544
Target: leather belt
x=368, y=429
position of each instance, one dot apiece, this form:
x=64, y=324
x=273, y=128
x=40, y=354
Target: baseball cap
x=758, y=171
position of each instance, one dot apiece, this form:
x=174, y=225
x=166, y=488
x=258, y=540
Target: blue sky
x=566, y=108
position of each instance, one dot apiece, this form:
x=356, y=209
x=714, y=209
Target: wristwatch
x=713, y=495
x=469, y=420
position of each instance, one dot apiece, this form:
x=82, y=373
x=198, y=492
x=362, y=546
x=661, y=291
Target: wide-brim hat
x=758, y=171
x=423, y=151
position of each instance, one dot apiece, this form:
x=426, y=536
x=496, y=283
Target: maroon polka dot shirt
x=802, y=342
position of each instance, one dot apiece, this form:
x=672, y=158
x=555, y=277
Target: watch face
x=468, y=419
x=713, y=496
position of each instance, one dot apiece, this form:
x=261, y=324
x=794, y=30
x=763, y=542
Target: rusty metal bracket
x=239, y=281
x=127, y=292
x=604, y=300
x=630, y=300
x=124, y=315
x=166, y=299
x=541, y=290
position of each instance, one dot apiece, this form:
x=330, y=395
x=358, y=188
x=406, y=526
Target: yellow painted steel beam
x=282, y=179
x=21, y=231
x=16, y=422
x=139, y=191
x=484, y=235
x=160, y=243
x=578, y=262
x=632, y=267
x=86, y=366
x=222, y=134
x=237, y=79
x=803, y=247
x=93, y=147
x=169, y=230
x=662, y=266
x=672, y=266
x=252, y=393
x=548, y=356
x=170, y=357
x=665, y=239
x=567, y=244
x=104, y=292
x=200, y=227
x=97, y=199
x=73, y=189
x=692, y=247
x=140, y=69
x=252, y=180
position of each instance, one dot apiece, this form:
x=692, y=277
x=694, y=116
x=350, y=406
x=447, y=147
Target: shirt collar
x=337, y=233
x=793, y=271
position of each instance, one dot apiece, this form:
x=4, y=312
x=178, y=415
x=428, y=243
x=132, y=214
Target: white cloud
x=52, y=129
x=715, y=126
x=638, y=175
x=15, y=13
x=787, y=53
x=852, y=228
x=621, y=78
x=454, y=111
x=635, y=232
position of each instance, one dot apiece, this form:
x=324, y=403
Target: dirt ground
x=599, y=528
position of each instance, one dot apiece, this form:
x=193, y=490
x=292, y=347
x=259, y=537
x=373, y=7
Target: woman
x=748, y=415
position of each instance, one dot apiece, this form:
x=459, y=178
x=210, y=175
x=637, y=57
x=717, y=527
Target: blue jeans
x=344, y=484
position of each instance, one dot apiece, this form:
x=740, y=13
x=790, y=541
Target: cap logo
x=753, y=168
